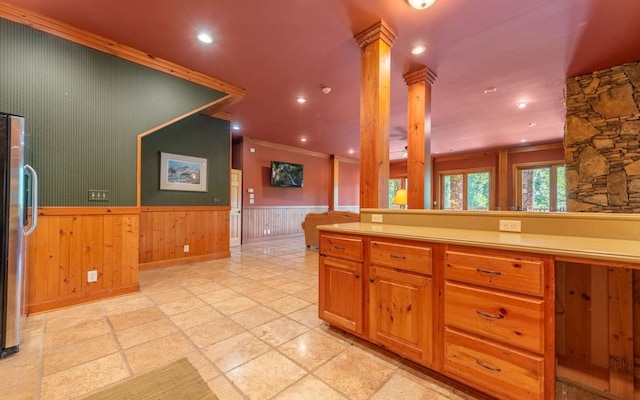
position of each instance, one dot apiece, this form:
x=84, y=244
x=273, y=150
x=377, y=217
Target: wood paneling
x=67, y=244
x=279, y=221
x=164, y=231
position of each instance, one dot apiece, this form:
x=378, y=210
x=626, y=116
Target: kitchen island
x=490, y=308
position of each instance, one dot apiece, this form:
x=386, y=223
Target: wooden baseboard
x=183, y=260
x=47, y=305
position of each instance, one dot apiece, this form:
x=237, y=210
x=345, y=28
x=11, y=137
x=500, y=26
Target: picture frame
x=183, y=173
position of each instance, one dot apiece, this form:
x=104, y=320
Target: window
x=541, y=188
x=394, y=186
x=466, y=190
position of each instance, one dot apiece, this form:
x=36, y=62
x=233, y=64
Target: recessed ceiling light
x=419, y=49
x=421, y=4
x=235, y=127
x=490, y=90
x=521, y=104
x=204, y=37
x=351, y=151
x=523, y=140
x=304, y=139
x=301, y=100
x=326, y=89
x=531, y=124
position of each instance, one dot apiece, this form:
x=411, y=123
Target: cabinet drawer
x=510, y=319
x=513, y=273
x=401, y=256
x=499, y=371
x=347, y=247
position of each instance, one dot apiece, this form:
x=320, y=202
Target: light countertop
x=608, y=250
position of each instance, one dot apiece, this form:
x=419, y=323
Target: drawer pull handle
x=399, y=257
x=488, y=272
x=339, y=247
x=487, y=366
x=491, y=316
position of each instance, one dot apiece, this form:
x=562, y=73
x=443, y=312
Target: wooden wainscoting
x=71, y=241
x=164, y=231
x=260, y=223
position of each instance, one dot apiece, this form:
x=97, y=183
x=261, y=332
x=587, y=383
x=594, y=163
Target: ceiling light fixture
x=235, y=127
x=301, y=100
x=351, y=151
x=420, y=4
x=521, y=104
x=204, y=37
x=523, y=140
x=419, y=49
x=303, y=140
x=490, y=90
x=326, y=89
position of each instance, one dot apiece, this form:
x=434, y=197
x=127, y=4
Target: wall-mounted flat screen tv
x=285, y=174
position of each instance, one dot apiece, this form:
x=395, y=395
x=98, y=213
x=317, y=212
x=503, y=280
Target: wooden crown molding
x=85, y=38
x=423, y=74
x=285, y=148
x=378, y=31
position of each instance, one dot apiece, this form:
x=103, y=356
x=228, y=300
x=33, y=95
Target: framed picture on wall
x=178, y=172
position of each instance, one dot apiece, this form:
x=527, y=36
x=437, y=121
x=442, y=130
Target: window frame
x=465, y=181
x=553, y=180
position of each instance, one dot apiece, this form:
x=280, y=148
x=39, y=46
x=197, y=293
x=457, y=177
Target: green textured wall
x=196, y=136
x=84, y=110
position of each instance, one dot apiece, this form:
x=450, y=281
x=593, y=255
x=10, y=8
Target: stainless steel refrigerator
x=18, y=208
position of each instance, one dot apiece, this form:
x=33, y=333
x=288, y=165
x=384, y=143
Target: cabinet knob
x=357, y=276
x=371, y=280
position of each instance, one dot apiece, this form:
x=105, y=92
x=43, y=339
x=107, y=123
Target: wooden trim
x=183, y=208
x=286, y=207
x=486, y=152
x=178, y=261
x=586, y=379
x=539, y=147
x=42, y=306
x=335, y=183
x=94, y=41
x=503, y=179
x=221, y=114
x=66, y=211
x=380, y=31
x=285, y=148
x=347, y=160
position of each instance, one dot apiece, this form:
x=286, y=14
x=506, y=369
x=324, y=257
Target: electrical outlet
x=186, y=248
x=92, y=276
x=268, y=231
x=376, y=218
x=508, y=225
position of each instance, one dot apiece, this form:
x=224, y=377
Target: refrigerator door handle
x=34, y=200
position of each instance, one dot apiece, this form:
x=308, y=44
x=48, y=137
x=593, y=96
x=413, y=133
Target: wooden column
x=335, y=183
x=375, y=91
x=503, y=180
x=419, y=138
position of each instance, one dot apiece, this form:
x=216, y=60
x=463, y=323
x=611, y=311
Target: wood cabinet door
x=400, y=313
x=341, y=298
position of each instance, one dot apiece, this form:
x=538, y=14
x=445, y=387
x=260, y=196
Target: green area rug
x=178, y=380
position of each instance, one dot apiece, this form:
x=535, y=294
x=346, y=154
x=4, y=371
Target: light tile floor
x=248, y=324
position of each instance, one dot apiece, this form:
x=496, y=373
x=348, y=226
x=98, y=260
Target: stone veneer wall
x=602, y=140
